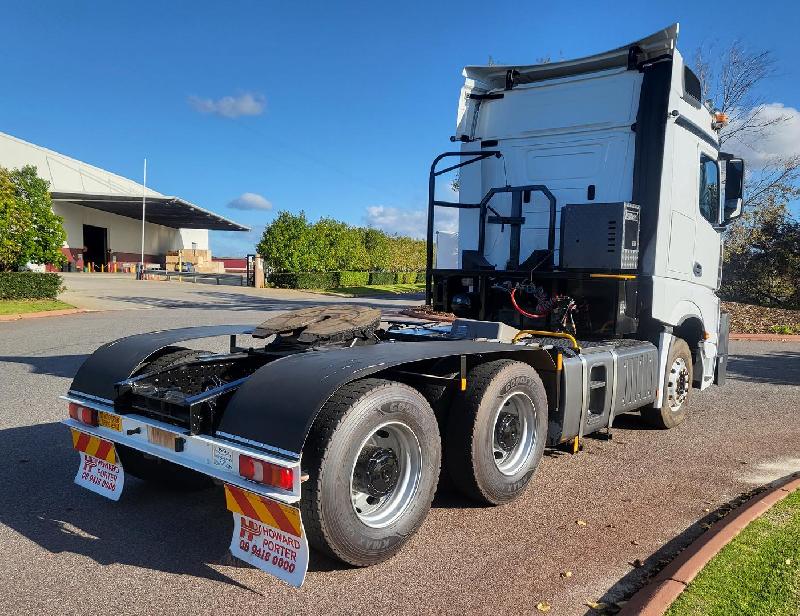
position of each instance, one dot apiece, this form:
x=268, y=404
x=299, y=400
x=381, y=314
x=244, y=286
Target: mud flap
x=267, y=534
x=99, y=470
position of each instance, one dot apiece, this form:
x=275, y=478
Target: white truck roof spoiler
x=488, y=78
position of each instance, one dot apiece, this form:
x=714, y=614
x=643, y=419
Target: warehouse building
x=102, y=211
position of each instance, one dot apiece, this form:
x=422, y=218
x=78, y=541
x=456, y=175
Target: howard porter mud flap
x=266, y=534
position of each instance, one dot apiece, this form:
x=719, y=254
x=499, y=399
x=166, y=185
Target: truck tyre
x=496, y=431
x=170, y=356
x=156, y=470
x=372, y=458
x=676, y=385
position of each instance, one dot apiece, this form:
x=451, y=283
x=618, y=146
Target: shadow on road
x=151, y=527
x=779, y=367
x=220, y=300
x=54, y=365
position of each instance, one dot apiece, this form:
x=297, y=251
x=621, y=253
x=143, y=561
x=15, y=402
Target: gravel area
x=642, y=495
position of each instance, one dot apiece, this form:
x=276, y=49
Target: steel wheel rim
x=511, y=453
x=677, y=384
x=380, y=511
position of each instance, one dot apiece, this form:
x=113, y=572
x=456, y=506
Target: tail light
x=83, y=414
x=266, y=472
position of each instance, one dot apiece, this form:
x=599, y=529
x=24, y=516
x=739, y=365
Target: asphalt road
x=643, y=495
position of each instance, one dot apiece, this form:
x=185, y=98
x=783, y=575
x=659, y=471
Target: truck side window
x=709, y=189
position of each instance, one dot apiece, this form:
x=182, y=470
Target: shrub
x=317, y=280
x=406, y=277
x=382, y=278
x=353, y=279
x=282, y=281
x=29, y=229
x=29, y=285
x=420, y=277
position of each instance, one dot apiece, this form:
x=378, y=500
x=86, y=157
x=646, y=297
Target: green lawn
x=18, y=306
x=756, y=573
x=380, y=289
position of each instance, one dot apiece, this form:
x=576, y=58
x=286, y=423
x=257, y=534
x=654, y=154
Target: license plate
x=157, y=436
x=112, y=422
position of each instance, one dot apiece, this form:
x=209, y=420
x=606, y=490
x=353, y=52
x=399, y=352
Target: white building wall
x=125, y=234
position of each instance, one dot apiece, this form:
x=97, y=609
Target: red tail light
x=266, y=472
x=83, y=414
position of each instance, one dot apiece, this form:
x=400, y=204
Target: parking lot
x=642, y=495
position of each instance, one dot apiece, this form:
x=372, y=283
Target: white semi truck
x=592, y=194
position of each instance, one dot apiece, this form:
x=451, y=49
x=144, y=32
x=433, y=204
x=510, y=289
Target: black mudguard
x=118, y=360
x=276, y=406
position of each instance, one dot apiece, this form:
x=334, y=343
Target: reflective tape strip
x=94, y=446
x=265, y=510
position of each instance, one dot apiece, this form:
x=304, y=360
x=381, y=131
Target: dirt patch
x=749, y=319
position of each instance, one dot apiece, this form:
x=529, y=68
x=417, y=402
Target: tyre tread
x=461, y=431
x=317, y=447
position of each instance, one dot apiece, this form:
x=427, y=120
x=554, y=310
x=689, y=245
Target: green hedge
x=29, y=285
x=306, y=280
x=331, y=280
x=353, y=279
x=382, y=278
x=406, y=277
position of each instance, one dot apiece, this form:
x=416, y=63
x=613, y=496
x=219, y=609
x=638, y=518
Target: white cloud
x=246, y=104
x=250, y=201
x=781, y=139
x=409, y=222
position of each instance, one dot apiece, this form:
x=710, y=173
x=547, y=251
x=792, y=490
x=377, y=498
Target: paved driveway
x=642, y=495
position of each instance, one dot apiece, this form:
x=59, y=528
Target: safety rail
x=515, y=221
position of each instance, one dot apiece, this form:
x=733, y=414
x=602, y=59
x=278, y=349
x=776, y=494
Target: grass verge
x=756, y=573
x=21, y=306
x=379, y=289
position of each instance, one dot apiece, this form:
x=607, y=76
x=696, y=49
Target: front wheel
x=676, y=387
x=372, y=459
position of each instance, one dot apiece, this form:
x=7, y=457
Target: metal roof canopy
x=166, y=211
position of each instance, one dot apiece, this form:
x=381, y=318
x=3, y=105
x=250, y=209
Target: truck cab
x=624, y=193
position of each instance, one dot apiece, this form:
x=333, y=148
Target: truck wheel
x=372, y=458
x=496, y=431
x=677, y=385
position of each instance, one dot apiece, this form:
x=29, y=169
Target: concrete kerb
x=655, y=598
x=766, y=337
x=39, y=315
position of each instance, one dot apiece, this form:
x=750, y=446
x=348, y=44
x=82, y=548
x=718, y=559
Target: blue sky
x=333, y=108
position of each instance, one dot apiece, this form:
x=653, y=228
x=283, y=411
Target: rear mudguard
x=275, y=407
x=118, y=360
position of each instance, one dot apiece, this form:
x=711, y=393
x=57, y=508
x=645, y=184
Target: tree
x=29, y=229
x=376, y=244
x=285, y=244
x=760, y=241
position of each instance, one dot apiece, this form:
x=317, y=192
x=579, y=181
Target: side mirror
x=734, y=189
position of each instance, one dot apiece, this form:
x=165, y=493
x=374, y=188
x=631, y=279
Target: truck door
x=705, y=266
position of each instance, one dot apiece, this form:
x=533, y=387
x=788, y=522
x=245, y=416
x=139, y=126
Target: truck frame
x=591, y=197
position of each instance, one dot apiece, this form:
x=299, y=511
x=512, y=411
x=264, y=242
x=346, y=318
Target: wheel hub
x=377, y=471
x=678, y=384
x=506, y=431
